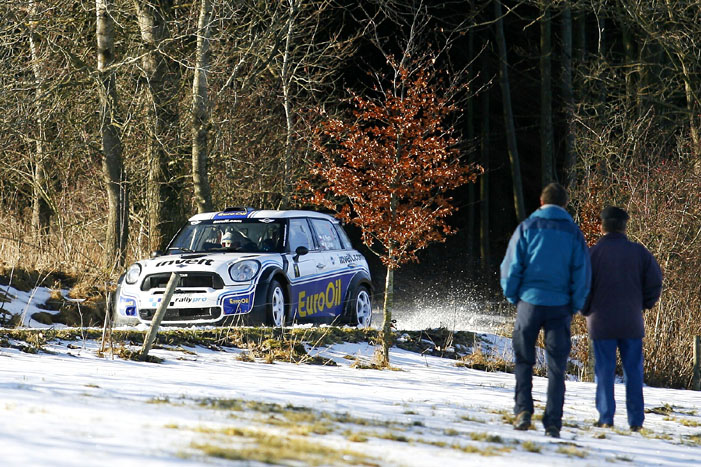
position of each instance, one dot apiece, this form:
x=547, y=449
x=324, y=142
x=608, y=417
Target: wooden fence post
x=158, y=317
x=696, y=383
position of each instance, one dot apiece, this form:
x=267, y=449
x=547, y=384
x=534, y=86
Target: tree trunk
x=631, y=97
x=546, y=101
x=41, y=211
x=580, y=36
x=519, y=205
x=567, y=93
x=201, y=111
x=287, y=104
x=601, y=51
x=484, y=179
x=387, y=306
x=388, y=302
x=112, y=165
x=692, y=105
x=470, y=122
x=162, y=80
x=692, y=102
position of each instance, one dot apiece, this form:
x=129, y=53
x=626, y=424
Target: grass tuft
x=572, y=451
x=261, y=446
x=530, y=446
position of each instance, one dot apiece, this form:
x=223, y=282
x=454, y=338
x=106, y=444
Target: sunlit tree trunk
x=388, y=301
x=546, y=101
x=694, y=109
x=519, y=204
x=162, y=80
x=201, y=111
x=41, y=211
x=287, y=104
x=112, y=165
x=387, y=306
x=691, y=88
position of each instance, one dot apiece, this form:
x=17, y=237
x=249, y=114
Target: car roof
x=248, y=213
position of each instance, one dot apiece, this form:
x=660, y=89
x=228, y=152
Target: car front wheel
x=275, y=305
x=361, y=308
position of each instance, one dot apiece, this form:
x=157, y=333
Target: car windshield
x=247, y=235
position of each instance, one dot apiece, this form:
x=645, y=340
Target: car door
x=332, y=284
x=304, y=271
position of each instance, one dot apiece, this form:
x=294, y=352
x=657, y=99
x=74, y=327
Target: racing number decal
x=321, y=301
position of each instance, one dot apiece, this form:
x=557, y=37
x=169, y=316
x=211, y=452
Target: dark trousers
x=631, y=351
x=555, y=320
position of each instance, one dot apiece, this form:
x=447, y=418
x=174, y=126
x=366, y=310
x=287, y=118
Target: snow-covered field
x=68, y=407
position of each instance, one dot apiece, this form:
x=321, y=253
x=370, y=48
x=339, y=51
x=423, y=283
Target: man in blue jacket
x=546, y=272
x=626, y=280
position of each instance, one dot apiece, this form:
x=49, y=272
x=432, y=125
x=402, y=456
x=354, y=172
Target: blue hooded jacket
x=547, y=261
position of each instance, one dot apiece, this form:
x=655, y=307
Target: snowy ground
x=67, y=406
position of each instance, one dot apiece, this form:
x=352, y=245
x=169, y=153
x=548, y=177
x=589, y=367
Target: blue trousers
x=555, y=321
x=631, y=351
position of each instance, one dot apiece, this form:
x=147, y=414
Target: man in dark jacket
x=546, y=273
x=626, y=279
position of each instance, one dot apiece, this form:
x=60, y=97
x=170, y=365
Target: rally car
x=247, y=266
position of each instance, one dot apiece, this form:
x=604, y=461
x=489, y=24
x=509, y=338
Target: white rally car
x=245, y=266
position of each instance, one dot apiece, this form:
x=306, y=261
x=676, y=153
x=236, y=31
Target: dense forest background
x=119, y=119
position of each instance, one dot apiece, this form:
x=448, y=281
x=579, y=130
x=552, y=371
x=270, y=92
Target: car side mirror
x=300, y=251
x=156, y=253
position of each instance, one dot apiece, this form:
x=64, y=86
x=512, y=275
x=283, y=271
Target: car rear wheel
x=275, y=305
x=361, y=307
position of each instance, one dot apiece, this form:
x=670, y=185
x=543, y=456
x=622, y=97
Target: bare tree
x=567, y=92
x=162, y=83
x=517, y=181
x=547, y=171
x=41, y=211
x=112, y=166
x=485, y=142
x=201, y=110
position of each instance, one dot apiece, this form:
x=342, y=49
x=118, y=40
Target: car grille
x=191, y=279
x=183, y=314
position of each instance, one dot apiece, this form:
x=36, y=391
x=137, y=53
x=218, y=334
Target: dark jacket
x=626, y=279
x=547, y=262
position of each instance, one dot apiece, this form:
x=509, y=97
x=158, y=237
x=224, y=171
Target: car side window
x=326, y=235
x=345, y=241
x=299, y=234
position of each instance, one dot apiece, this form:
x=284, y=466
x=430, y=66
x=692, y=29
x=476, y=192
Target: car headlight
x=244, y=271
x=133, y=273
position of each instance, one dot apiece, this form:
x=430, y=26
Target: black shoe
x=552, y=431
x=603, y=425
x=636, y=428
x=523, y=421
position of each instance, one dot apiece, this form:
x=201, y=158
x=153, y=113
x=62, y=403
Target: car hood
x=198, y=261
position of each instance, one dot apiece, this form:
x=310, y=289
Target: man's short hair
x=554, y=193
x=614, y=219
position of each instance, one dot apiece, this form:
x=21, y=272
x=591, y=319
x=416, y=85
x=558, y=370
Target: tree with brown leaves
x=390, y=170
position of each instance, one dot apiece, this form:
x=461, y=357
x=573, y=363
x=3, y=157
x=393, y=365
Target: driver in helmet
x=234, y=239
x=227, y=240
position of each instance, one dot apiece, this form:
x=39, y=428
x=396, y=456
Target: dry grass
x=572, y=451
x=629, y=163
x=273, y=448
x=478, y=360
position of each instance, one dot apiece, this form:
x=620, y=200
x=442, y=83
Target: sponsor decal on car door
x=315, y=293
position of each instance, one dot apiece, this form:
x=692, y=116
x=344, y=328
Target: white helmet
x=226, y=240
